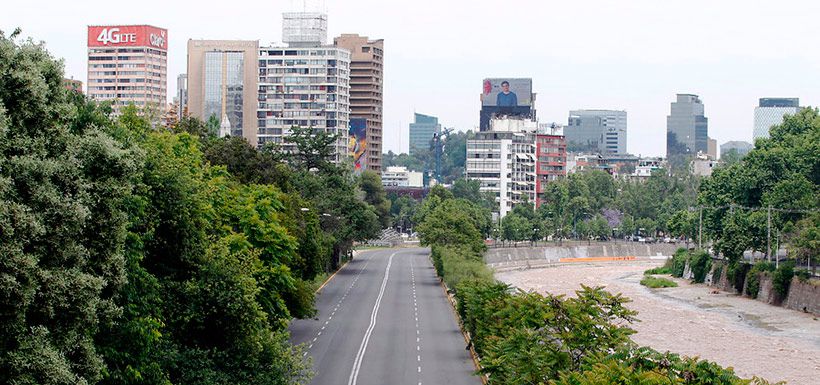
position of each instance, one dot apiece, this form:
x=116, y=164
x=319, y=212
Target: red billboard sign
x=127, y=36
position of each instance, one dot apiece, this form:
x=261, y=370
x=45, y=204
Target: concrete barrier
x=596, y=250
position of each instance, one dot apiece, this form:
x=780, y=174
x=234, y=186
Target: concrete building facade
x=421, y=132
x=551, y=158
x=503, y=160
x=222, y=83
x=401, y=177
x=128, y=64
x=601, y=130
x=770, y=112
x=366, y=95
x=687, y=128
x=304, y=84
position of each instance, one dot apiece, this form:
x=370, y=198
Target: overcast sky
x=632, y=55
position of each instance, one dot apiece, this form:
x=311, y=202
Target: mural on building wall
x=358, y=142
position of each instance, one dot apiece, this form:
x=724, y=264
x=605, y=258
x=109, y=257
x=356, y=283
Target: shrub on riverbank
x=529, y=338
x=656, y=282
x=658, y=270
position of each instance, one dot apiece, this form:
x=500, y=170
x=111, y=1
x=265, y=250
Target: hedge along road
x=384, y=319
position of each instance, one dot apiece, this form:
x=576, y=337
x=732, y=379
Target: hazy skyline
x=622, y=55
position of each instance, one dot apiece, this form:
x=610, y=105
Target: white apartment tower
x=503, y=160
x=305, y=83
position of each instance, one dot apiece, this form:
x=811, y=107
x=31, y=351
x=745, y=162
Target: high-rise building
x=182, y=95
x=128, y=64
x=770, y=112
x=222, y=84
x=366, y=80
x=551, y=158
x=741, y=147
x=421, y=132
x=503, y=160
x=687, y=129
x=603, y=131
x=305, y=84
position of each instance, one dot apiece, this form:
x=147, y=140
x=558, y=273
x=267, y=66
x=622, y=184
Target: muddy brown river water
x=754, y=338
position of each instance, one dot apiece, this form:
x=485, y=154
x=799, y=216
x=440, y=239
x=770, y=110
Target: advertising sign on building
x=358, y=142
x=127, y=36
x=506, y=92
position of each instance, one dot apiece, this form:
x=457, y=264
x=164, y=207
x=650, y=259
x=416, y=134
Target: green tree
x=371, y=183
x=63, y=185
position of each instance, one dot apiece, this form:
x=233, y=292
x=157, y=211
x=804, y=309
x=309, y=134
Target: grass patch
x=655, y=282
x=659, y=270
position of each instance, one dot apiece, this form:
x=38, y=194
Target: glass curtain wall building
x=687, y=128
x=421, y=132
x=603, y=131
x=770, y=112
x=222, y=84
x=224, y=89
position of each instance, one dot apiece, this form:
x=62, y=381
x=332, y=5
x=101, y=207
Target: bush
x=678, y=262
x=658, y=270
x=753, y=277
x=700, y=263
x=655, y=282
x=782, y=279
x=736, y=274
x=802, y=275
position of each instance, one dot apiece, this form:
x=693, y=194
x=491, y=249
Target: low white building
x=401, y=177
x=503, y=160
x=702, y=165
x=646, y=166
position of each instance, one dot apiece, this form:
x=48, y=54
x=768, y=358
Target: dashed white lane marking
x=341, y=300
x=357, y=363
x=416, y=317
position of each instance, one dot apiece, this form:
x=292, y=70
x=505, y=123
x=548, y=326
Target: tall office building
x=770, y=112
x=421, y=132
x=182, y=95
x=603, y=131
x=222, y=84
x=305, y=84
x=128, y=64
x=366, y=80
x=687, y=129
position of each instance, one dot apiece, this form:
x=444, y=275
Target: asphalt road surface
x=384, y=319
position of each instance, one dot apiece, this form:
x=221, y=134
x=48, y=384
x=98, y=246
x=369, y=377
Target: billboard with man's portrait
x=506, y=92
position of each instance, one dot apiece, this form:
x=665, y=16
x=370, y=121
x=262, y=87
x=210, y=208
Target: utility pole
x=769, y=234
x=700, y=228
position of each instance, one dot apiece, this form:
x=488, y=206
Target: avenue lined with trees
x=135, y=254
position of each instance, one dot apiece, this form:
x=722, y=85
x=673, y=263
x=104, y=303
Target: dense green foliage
x=658, y=270
x=753, y=277
x=529, y=338
x=700, y=263
x=453, y=157
x=782, y=279
x=781, y=172
x=138, y=255
x=657, y=282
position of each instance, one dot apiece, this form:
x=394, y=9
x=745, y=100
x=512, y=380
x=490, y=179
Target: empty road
x=384, y=319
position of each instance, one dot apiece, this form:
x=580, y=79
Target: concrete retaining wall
x=804, y=296
x=581, y=251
